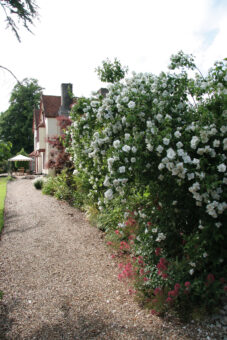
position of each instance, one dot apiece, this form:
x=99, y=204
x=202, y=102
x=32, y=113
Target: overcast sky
x=72, y=37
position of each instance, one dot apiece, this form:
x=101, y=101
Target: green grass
x=3, y=182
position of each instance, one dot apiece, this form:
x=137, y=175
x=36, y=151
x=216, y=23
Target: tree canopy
x=23, y=10
x=16, y=122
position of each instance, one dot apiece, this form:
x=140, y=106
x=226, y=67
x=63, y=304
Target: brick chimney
x=66, y=99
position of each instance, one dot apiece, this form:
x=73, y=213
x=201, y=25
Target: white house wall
x=42, y=138
x=52, y=130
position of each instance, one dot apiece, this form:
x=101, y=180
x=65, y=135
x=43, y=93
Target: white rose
x=221, y=167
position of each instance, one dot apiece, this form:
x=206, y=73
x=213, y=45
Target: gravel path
x=60, y=282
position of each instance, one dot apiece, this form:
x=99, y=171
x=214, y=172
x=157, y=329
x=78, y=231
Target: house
x=46, y=126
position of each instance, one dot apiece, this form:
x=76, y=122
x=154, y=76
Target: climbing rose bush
x=162, y=141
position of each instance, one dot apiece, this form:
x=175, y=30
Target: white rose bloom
x=221, y=167
x=126, y=148
x=191, y=271
x=123, y=120
x=121, y=169
x=133, y=160
x=194, y=142
x=223, y=129
x=177, y=134
x=150, y=147
x=106, y=182
x=116, y=144
x=216, y=143
x=160, y=177
x=125, y=99
x=127, y=136
x=225, y=144
x=149, y=124
x=171, y=154
x=180, y=152
x=131, y=105
x=205, y=254
x=161, y=237
x=191, y=176
x=218, y=224
x=161, y=166
x=179, y=145
x=166, y=141
x=160, y=149
x=134, y=149
x=108, y=194
x=200, y=151
x=159, y=117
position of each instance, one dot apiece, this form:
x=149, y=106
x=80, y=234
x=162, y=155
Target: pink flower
x=109, y=243
x=177, y=286
x=113, y=256
x=169, y=299
x=164, y=275
x=117, y=231
x=187, y=284
x=172, y=293
x=157, y=291
x=210, y=278
x=149, y=224
x=153, y=312
x=157, y=251
x=145, y=279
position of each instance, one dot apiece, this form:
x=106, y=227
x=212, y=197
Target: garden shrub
x=152, y=156
x=39, y=182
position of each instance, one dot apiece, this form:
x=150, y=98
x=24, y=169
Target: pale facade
x=46, y=127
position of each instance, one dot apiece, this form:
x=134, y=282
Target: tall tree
x=16, y=122
x=22, y=10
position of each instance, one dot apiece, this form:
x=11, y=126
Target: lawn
x=3, y=182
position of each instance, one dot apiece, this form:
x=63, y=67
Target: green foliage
x=111, y=72
x=5, y=153
x=3, y=184
x=152, y=156
x=38, y=183
x=23, y=10
x=16, y=122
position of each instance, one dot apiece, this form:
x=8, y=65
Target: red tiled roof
x=51, y=105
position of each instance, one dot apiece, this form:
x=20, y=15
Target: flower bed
x=152, y=157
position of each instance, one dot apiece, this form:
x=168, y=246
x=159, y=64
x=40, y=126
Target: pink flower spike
x=177, y=286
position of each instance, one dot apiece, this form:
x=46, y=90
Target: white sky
x=72, y=38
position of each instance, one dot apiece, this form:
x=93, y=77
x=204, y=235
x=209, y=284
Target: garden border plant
x=3, y=186
x=151, y=156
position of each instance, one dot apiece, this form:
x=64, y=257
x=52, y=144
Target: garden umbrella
x=20, y=158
